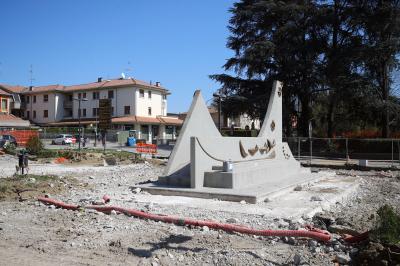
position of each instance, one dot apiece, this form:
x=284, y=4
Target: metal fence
x=346, y=148
x=49, y=133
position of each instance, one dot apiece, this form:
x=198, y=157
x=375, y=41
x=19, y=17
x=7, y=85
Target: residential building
x=8, y=120
x=136, y=105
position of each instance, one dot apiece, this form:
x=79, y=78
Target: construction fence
x=21, y=136
x=346, y=148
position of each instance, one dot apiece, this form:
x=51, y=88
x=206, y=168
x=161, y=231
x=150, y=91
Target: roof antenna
x=31, y=79
x=128, y=69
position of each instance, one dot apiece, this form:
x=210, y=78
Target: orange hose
x=310, y=232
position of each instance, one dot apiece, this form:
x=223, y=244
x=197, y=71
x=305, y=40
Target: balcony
x=15, y=105
x=67, y=104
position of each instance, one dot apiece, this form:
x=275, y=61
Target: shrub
x=34, y=145
x=10, y=148
x=47, y=153
x=387, y=229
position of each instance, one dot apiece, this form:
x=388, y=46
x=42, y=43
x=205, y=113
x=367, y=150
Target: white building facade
x=136, y=105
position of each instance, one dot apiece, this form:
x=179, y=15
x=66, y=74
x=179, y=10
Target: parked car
x=63, y=139
x=4, y=139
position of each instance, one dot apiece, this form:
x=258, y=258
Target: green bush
x=47, y=153
x=10, y=148
x=34, y=145
x=387, y=229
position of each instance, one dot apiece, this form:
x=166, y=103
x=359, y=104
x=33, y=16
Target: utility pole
x=79, y=119
x=79, y=124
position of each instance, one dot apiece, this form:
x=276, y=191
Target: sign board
x=105, y=115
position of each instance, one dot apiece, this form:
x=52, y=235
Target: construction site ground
x=32, y=233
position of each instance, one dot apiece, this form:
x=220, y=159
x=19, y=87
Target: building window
x=28, y=114
x=34, y=98
x=84, y=95
x=27, y=99
x=141, y=93
x=84, y=112
x=45, y=113
x=95, y=111
x=127, y=110
x=96, y=95
x=70, y=98
x=45, y=98
x=34, y=114
x=164, y=96
x=79, y=95
x=149, y=110
x=4, y=105
x=110, y=94
x=149, y=94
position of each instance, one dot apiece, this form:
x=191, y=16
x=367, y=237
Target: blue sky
x=176, y=42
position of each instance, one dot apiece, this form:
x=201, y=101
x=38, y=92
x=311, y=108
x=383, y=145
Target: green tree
x=273, y=40
x=334, y=57
x=380, y=20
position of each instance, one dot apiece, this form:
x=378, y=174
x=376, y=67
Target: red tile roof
x=8, y=120
x=113, y=83
x=4, y=93
x=47, y=88
x=124, y=120
x=14, y=89
x=171, y=121
x=147, y=120
x=109, y=83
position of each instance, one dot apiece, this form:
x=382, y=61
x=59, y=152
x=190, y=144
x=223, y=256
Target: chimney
x=99, y=79
x=158, y=84
x=30, y=88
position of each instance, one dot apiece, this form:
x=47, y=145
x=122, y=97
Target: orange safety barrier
x=146, y=148
x=22, y=136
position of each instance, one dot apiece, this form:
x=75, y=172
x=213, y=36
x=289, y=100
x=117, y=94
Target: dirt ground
x=34, y=234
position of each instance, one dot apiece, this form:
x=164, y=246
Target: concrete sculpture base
x=255, y=166
x=250, y=194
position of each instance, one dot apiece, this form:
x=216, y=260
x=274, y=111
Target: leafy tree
x=273, y=40
x=380, y=20
x=334, y=57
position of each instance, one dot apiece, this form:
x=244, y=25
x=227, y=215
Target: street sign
x=105, y=114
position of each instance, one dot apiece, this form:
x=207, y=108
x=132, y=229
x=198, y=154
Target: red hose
x=310, y=232
x=357, y=238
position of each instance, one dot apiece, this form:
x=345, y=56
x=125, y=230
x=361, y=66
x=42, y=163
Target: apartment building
x=136, y=105
x=8, y=120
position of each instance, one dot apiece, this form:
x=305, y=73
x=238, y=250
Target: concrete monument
x=205, y=164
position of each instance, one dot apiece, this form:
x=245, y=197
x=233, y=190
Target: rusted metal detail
x=253, y=151
x=242, y=150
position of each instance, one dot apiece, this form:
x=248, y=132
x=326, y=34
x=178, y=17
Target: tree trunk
x=331, y=116
x=305, y=116
x=385, y=96
x=333, y=71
